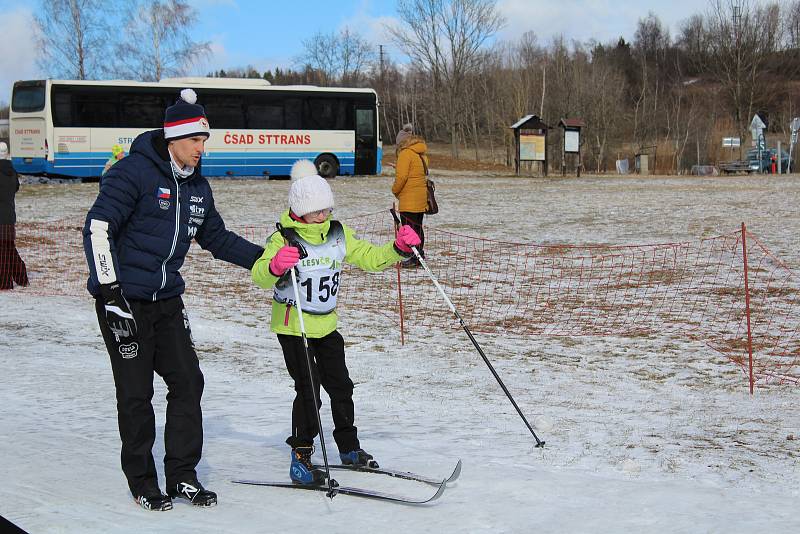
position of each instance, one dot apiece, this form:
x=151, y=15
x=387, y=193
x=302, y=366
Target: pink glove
x=406, y=238
x=286, y=258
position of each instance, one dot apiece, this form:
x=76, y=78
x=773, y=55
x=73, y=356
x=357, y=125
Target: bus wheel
x=327, y=166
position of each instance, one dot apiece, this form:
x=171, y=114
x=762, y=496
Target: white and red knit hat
x=185, y=118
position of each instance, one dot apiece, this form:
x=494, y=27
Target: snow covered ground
x=643, y=435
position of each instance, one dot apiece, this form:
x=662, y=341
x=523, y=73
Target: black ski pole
x=332, y=484
x=539, y=443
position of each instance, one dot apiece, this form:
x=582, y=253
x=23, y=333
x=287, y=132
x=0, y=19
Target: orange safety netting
x=691, y=289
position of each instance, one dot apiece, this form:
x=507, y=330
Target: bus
x=66, y=128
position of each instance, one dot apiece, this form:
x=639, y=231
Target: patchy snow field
x=643, y=435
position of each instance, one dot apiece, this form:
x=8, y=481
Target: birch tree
x=156, y=41
x=72, y=37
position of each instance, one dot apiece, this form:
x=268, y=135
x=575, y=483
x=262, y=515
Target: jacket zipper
x=174, y=237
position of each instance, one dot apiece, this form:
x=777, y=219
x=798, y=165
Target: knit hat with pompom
x=309, y=191
x=185, y=118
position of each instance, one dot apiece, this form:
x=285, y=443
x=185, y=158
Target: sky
x=269, y=34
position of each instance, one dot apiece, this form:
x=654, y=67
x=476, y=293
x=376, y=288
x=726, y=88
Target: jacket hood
x=153, y=146
x=415, y=143
x=313, y=233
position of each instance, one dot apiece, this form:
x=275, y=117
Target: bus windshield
x=28, y=98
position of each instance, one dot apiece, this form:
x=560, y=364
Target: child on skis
x=328, y=244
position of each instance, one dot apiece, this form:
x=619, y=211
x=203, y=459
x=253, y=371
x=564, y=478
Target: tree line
x=674, y=96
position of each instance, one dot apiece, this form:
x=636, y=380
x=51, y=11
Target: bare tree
x=650, y=44
x=444, y=38
x=156, y=42
x=342, y=57
x=740, y=37
x=72, y=37
x=792, y=24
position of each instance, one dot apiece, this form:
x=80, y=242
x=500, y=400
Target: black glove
x=118, y=312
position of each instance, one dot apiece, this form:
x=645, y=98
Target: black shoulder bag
x=433, y=206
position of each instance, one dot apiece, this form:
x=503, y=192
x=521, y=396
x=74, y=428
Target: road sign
x=731, y=142
x=757, y=123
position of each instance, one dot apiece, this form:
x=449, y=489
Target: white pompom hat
x=309, y=191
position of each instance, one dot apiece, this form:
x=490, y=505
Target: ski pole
x=539, y=443
x=332, y=484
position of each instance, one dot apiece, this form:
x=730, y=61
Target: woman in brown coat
x=411, y=186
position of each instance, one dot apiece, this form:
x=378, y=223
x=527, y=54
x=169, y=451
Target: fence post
x=399, y=293
x=747, y=306
x=400, y=302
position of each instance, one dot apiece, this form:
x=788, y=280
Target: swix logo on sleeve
x=102, y=265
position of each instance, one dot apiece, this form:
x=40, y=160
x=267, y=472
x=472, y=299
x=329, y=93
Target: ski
x=406, y=475
x=348, y=490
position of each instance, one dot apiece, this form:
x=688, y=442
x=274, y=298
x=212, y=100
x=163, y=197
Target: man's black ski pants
x=164, y=346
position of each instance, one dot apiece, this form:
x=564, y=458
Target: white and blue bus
x=67, y=127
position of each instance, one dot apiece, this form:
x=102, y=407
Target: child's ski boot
x=302, y=471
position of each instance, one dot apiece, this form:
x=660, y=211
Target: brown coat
x=410, y=183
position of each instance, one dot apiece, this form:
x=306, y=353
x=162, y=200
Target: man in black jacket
x=150, y=206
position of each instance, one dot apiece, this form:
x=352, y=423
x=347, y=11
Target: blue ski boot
x=302, y=471
x=358, y=458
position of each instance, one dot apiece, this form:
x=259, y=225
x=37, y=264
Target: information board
x=531, y=147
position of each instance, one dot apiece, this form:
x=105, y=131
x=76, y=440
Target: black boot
x=359, y=458
x=152, y=499
x=194, y=492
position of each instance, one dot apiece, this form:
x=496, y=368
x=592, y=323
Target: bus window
x=223, y=111
x=365, y=122
x=293, y=111
x=62, y=109
x=28, y=98
x=142, y=110
x=344, y=115
x=263, y=114
x=95, y=110
x=320, y=114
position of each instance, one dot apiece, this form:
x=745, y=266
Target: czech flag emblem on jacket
x=163, y=192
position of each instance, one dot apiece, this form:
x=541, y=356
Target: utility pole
x=382, y=88
x=737, y=20
x=380, y=55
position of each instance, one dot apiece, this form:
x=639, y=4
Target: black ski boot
x=359, y=458
x=152, y=499
x=194, y=492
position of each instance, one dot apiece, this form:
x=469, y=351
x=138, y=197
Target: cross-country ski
x=407, y=475
x=353, y=491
